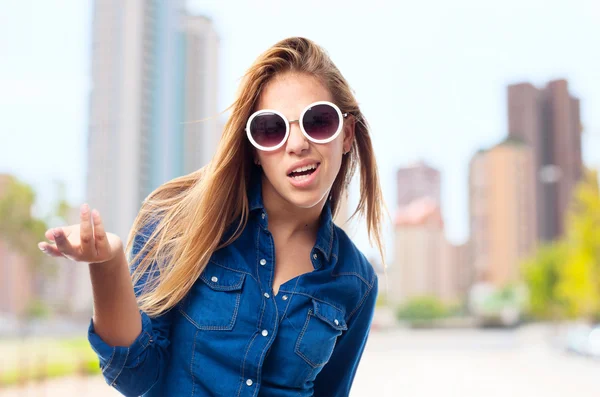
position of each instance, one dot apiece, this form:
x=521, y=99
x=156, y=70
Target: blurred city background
x=486, y=128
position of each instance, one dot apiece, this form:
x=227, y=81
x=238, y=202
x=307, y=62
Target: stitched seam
x=261, y=354
x=244, y=362
x=324, y=318
x=121, y=370
x=330, y=239
x=273, y=259
x=364, y=298
x=232, y=269
x=262, y=311
x=256, y=247
x=312, y=297
x=235, y=311
x=107, y=366
x=212, y=327
x=297, y=347
x=292, y=297
x=292, y=324
x=149, y=340
x=238, y=285
x=351, y=274
x=192, y=364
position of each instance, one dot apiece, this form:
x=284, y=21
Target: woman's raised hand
x=86, y=241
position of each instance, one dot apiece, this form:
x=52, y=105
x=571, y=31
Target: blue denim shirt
x=231, y=336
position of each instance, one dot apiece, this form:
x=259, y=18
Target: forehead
x=290, y=92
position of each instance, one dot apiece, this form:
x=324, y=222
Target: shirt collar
x=325, y=234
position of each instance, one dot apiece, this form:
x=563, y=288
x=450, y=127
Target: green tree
x=579, y=276
x=563, y=278
x=422, y=309
x=18, y=227
x=541, y=274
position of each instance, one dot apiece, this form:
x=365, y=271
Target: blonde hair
x=191, y=213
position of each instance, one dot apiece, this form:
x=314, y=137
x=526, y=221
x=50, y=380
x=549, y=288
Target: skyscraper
x=419, y=249
x=425, y=263
x=417, y=181
x=502, y=216
x=419, y=233
x=202, y=127
x=153, y=71
x=548, y=120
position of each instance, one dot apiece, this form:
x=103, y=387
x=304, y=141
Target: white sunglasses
x=320, y=122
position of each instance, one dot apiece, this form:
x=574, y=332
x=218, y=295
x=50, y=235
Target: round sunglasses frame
x=341, y=117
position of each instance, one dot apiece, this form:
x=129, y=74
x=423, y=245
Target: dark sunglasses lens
x=321, y=121
x=268, y=129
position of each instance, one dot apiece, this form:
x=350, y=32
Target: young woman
x=242, y=284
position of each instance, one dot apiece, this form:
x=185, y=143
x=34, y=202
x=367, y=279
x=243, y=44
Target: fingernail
x=84, y=207
x=57, y=233
x=42, y=248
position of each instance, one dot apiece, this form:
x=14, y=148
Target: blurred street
x=432, y=363
x=473, y=363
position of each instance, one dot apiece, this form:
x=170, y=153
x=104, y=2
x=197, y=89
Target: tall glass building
x=154, y=76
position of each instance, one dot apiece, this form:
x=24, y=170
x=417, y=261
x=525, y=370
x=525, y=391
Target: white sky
x=430, y=77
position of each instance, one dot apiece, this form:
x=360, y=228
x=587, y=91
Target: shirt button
x=249, y=382
x=266, y=294
x=284, y=297
x=314, y=256
x=263, y=262
x=265, y=332
x=214, y=279
x=262, y=215
x=336, y=322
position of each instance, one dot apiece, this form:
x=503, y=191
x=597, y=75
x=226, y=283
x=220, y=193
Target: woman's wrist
x=115, y=261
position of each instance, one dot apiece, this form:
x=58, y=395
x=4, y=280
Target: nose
x=297, y=142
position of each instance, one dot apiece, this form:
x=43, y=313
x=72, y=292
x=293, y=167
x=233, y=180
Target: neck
x=287, y=219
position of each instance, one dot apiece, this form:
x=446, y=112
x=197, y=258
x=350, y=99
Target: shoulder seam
x=364, y=298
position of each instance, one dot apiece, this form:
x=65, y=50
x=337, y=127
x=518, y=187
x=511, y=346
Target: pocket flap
x=220, y=279
x=330, y=315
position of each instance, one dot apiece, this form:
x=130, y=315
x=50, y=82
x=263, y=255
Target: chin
x=305, y=199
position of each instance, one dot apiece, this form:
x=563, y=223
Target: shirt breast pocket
x=324, y=324
x=214, y=300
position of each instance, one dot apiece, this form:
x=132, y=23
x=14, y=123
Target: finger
x=50, y=250
x=86, y=233
x=99, y=233
x=62, y=243
x=49, y=235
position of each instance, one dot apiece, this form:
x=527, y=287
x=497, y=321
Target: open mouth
x=303, y=173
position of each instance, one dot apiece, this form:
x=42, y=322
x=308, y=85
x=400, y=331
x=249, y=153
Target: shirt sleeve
x=133, y=370
x=335, y=379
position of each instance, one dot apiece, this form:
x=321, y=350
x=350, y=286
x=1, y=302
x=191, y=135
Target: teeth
x=305, y=168
x=300, y=177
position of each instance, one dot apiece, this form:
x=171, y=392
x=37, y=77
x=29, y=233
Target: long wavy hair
x=191, y=214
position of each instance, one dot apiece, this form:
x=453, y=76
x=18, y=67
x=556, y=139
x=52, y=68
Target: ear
x=348, y=133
